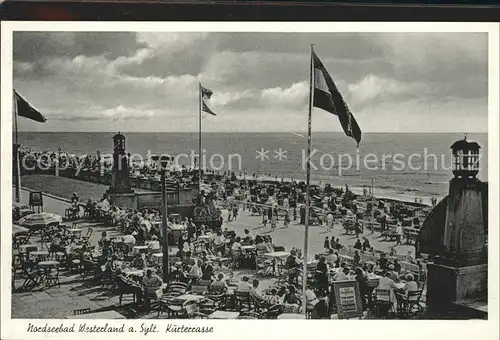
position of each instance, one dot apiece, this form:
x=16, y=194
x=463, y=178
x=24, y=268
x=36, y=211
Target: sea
x=401, y=166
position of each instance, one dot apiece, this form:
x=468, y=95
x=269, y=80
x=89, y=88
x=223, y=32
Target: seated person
x=383, y=262
x=129, y=239
x=366, y=244
x=409, y=258
x=410, y=285
x=219, y=243
x=358, y=245
x=154, y=244
x=393, y=274
x=273, y=298
x=248, y=236
x=331, y=258
x=188, y=261
x=208, y=273
x=195, y=271
x=220, y=284
x=255, y=291
x=320, y=309
x=57, y=244
x=311, y=299
x=151, y=283
x=236, y=246
x=244, y=286
x=138, y=262
x=180, y=253
x=387, y=282
x=291, y=296
x=397, y=266
x=343, y=275
x=292, y=261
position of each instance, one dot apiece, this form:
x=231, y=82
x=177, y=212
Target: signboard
x=36, y=199
x=347, y=299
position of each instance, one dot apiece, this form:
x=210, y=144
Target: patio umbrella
x=18, y=229
x=42, y=219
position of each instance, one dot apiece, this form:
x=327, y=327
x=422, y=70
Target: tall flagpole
x=16, y=152
x=308, y=179
x=199, y=139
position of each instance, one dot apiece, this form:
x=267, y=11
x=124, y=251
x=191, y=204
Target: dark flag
x=205, y=95
x=24, y=109
x=328, y=98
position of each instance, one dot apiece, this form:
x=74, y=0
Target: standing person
x=399, y=234
x=326, y=244
x=229, y=212
x=274, y=221
x=329, y=221
x=286, y=220
x=235, y=212
x=264, y=217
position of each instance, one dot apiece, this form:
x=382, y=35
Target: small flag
x=206, y=94
x=328, y=98
x=24, y=109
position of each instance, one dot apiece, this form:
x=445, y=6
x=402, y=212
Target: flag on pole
x=206, y=94
x=24, y=109
x=328, y=98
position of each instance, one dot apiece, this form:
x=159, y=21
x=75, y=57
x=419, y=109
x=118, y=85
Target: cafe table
x=204, y=238
x=45, y=270
x=275, y=255
x=27, y=248
x=133, y=272
x=139, y=249
x=157, y=258
x=107, y=315
x=76, y=231
x=41, y=254
x=288, y=316
x=189, y=298
x=220, y=314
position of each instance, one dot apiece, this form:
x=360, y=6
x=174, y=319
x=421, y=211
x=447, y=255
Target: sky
x=128, y=81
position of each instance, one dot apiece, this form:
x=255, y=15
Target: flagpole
x=199, y=139
x=16, y=153
x=308, y=179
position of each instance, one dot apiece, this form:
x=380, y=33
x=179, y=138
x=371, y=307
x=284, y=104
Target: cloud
x=149, y=81
x=374, y=89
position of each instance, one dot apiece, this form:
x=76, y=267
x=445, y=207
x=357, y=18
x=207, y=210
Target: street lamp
x=163, y=168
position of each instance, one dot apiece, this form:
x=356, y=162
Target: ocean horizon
x=335, y=158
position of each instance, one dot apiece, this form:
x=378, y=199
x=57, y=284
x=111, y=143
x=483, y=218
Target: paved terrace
x=76, y=293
